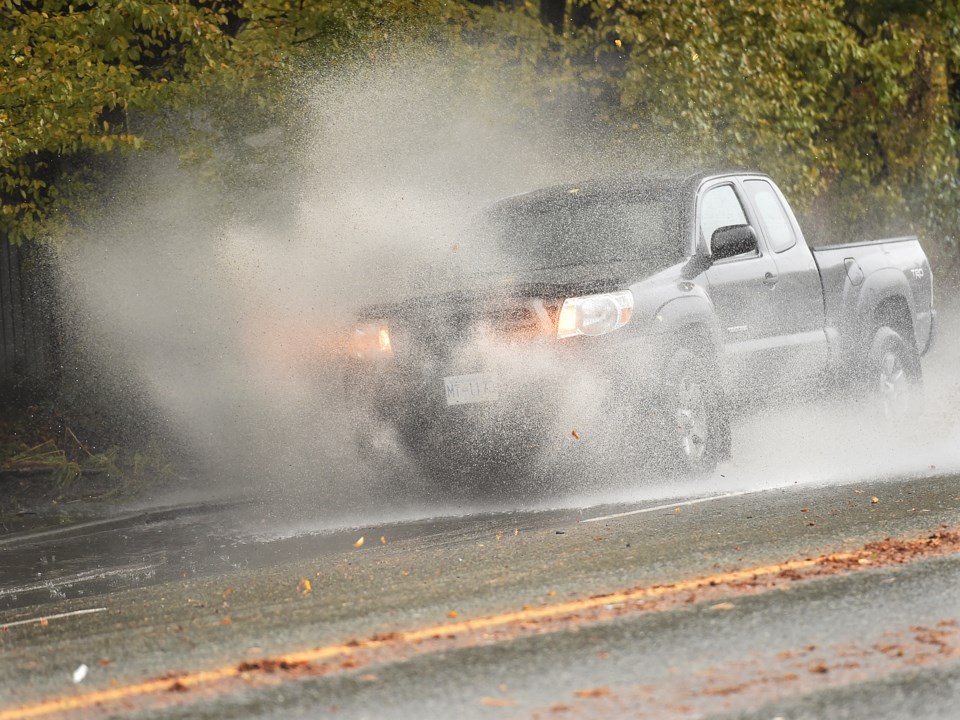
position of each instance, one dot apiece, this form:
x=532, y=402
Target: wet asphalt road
x=209, y=586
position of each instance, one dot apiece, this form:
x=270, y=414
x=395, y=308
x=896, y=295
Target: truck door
x=798, y=298
x=741, y=288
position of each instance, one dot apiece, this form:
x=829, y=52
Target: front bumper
x=547, y=394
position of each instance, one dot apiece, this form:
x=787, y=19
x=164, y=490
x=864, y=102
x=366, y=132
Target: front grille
x=435, y=331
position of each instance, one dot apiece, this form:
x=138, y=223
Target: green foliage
x=70, y=72
x=848, y=104
x=853, y=104
x=73, y=74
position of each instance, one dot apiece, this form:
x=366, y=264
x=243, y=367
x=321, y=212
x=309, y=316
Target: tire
x=894, y=377
x=695, y=424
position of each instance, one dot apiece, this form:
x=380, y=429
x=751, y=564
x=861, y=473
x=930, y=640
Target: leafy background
x=853, y=106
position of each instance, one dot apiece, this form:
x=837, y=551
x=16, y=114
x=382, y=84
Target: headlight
x=594, y=314
x=371, y=340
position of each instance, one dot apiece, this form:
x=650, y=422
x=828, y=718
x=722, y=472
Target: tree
x=853, y=104
x=75, y=74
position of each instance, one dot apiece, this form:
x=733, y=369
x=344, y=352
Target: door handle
x=770, y=279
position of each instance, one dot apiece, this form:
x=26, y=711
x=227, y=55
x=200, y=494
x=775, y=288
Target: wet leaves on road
x=722, y=606
x=359, y=543
x=271, y=665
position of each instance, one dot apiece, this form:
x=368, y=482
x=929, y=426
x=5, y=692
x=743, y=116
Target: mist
x=227, y=322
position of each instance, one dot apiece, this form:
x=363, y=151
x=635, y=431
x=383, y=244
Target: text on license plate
x=476, y=388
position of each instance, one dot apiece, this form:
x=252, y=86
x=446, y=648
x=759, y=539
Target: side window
x=718, y=208
x=776, y=223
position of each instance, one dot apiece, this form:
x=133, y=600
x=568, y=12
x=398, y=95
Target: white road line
x=640, y=511
x=86, y=576
x=88, y=611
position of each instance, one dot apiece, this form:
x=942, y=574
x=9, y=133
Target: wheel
x=695, y=421
x=894, y=376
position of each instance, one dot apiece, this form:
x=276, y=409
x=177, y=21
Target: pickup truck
x=637, y=311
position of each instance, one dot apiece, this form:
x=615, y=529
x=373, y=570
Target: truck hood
x=551, y=285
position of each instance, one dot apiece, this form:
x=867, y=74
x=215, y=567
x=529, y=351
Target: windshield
x=580, y=229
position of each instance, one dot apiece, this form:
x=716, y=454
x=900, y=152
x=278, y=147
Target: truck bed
x=892, y=274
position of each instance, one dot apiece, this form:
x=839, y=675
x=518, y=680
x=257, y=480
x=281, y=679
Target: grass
x=43, y=459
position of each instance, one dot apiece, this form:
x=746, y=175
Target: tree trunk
x=552, y=13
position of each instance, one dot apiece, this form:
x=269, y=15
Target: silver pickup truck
x=673, y=296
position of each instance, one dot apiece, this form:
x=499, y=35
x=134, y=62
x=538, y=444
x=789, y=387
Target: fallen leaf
x=497, y=702
x=804, y=509
x=575, y=434
x=304, y=586
x=819, y=668
x=722, y=606
x=44, y=622
x=498, y=536
x=552, y=593
x=452, y=614
x=619, y=43
x=383, y=539
x=874, y=500
x=369, y=677
x=227, y=621
x=359, y=543
x=594, y=692
x=678, y=510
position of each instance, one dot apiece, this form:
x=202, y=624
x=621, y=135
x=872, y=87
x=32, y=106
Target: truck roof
x=627, y=185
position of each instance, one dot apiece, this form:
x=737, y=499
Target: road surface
x=780, y=602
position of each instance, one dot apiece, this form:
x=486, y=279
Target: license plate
x=466, y=389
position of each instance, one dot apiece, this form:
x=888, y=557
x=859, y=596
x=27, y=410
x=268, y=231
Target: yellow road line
x=187, y=680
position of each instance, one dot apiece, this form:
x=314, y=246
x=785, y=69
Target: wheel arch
x=894, y=312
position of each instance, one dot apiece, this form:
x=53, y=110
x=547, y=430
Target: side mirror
x=732, y=240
